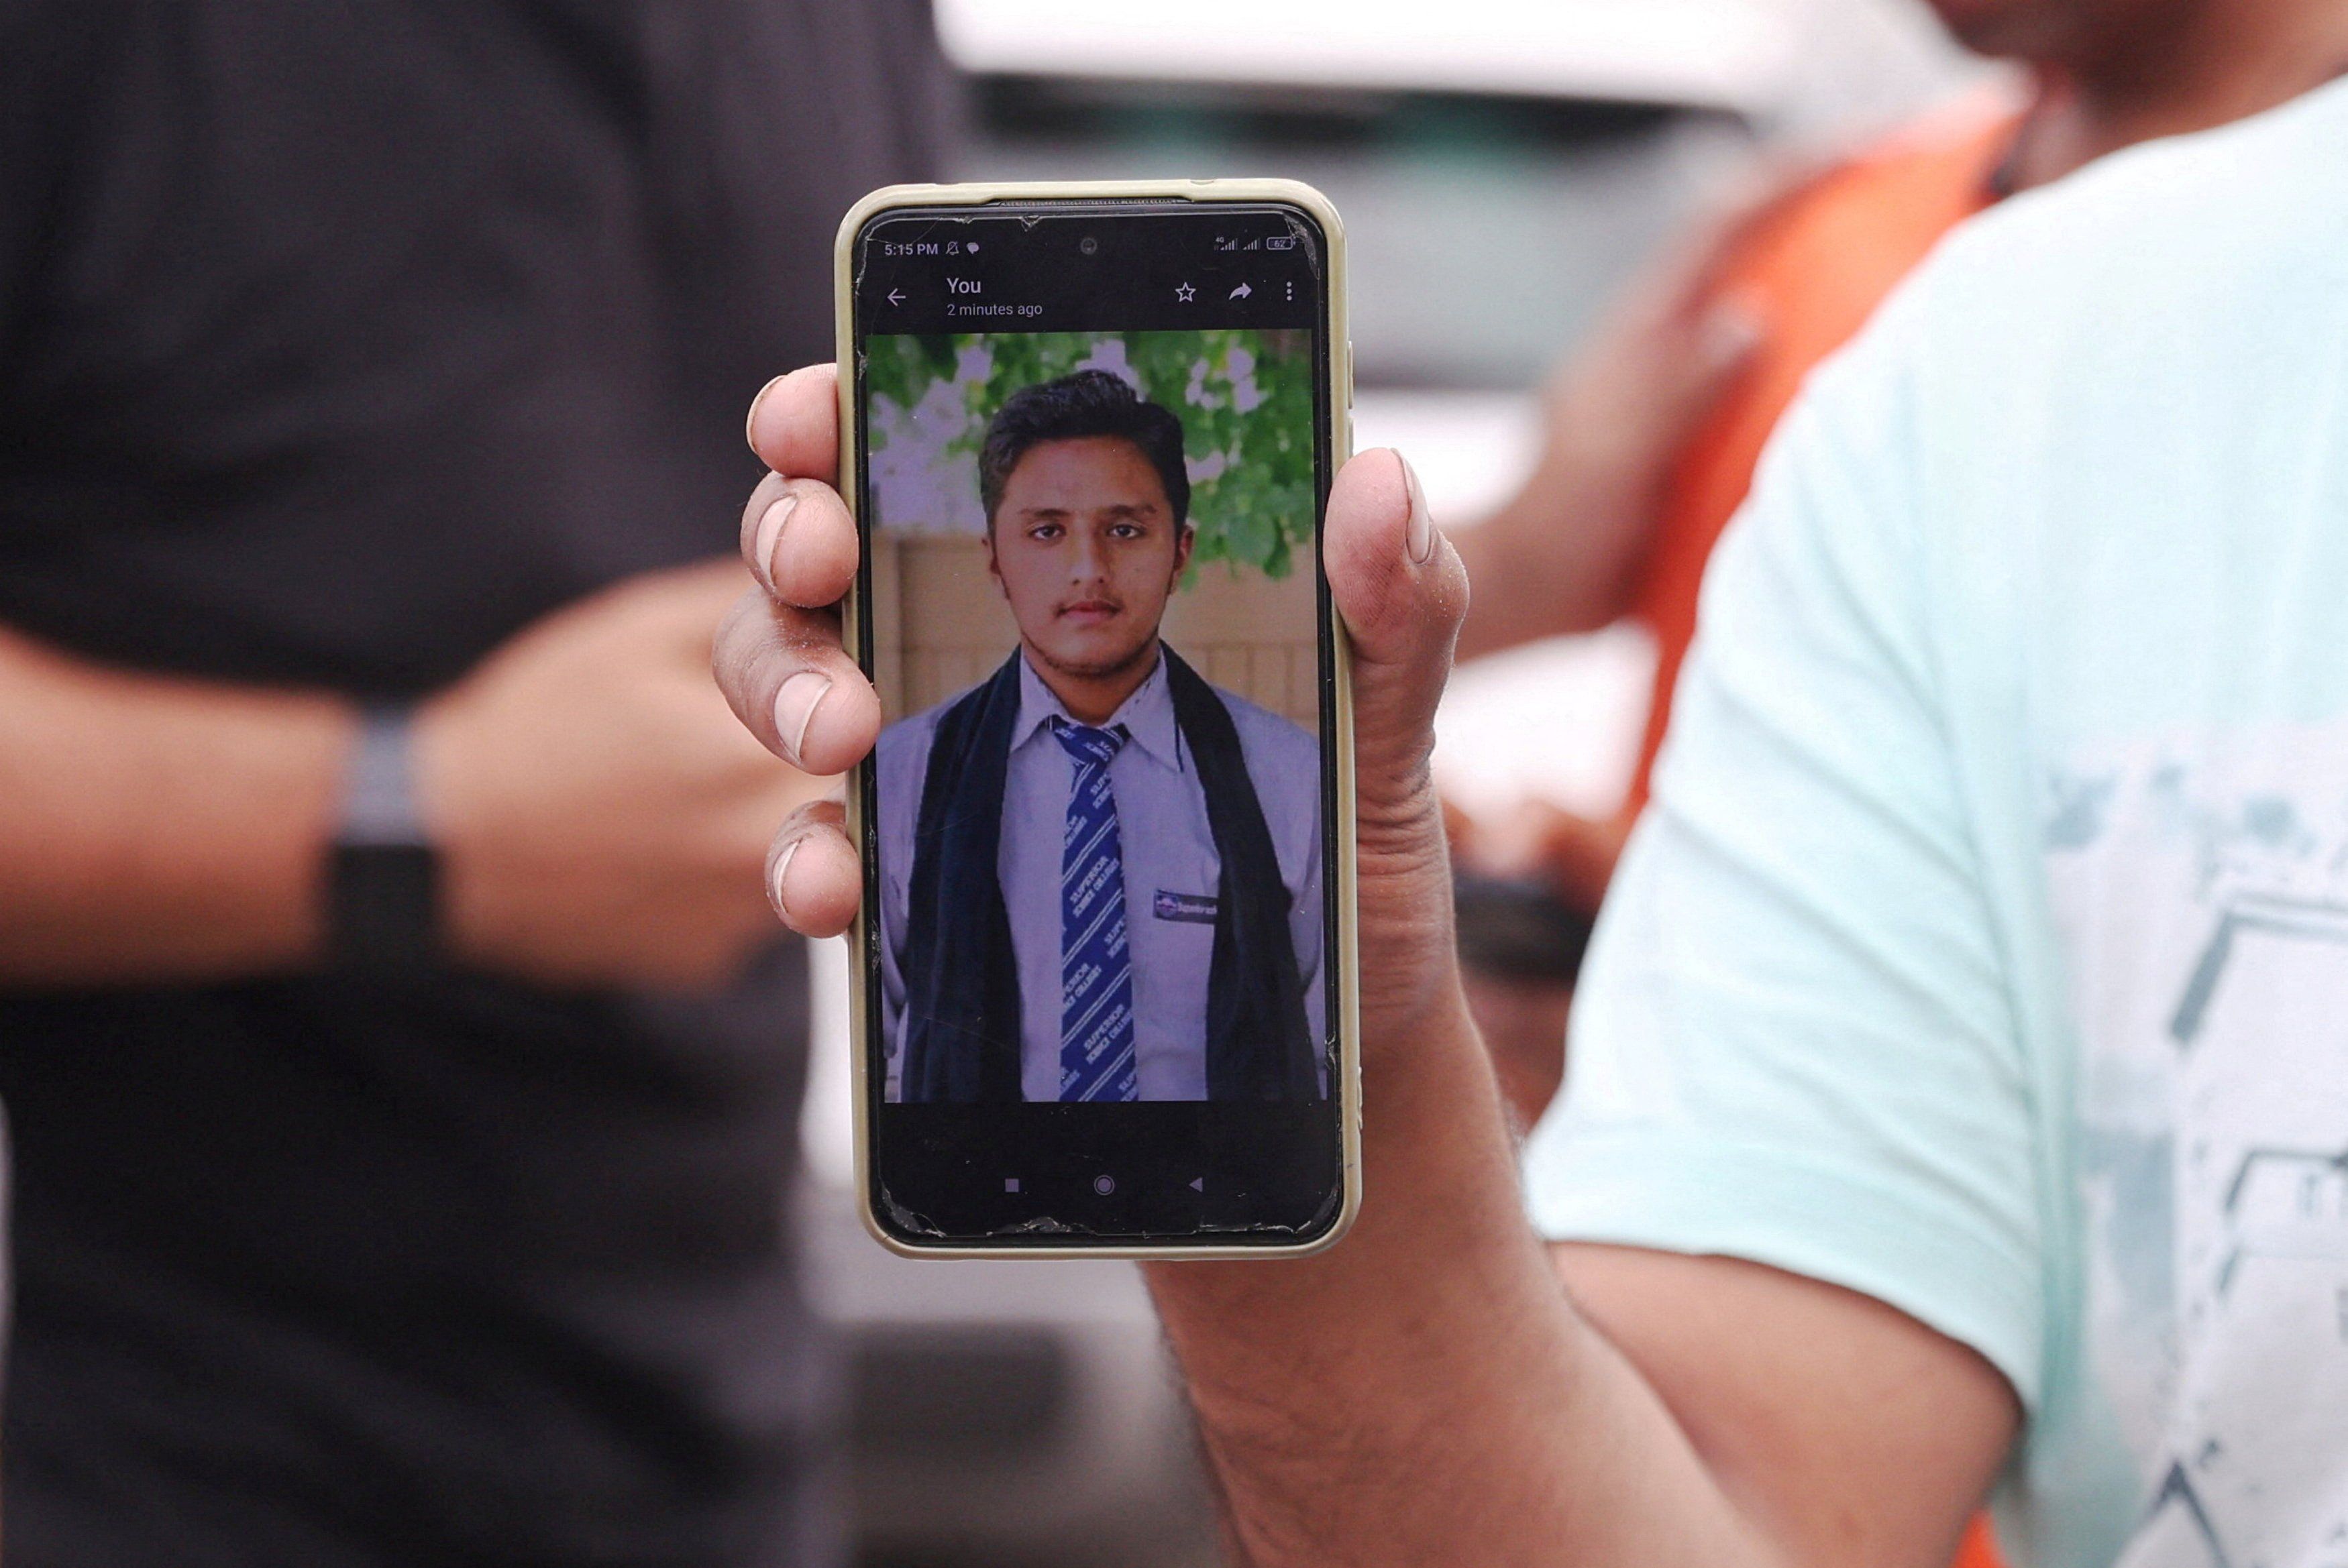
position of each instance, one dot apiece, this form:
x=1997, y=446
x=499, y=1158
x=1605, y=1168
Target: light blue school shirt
x=1171, y=871
x=1986, y=948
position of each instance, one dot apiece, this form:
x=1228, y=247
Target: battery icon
x=1280, y=242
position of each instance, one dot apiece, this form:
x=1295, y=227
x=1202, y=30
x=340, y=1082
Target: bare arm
x=1426, y=1392
x=1563, y=555
x=153, y=829
x=600, y=818
x=1560, y=559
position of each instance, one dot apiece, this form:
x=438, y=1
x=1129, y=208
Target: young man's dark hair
x=1090, y=403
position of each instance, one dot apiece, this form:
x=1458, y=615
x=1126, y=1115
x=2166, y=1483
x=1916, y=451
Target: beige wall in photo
x=939, y=626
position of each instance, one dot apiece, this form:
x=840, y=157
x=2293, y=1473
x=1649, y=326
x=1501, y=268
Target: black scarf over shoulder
x=962, y=1022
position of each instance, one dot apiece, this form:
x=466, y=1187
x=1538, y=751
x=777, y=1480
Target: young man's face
x=1086, y=549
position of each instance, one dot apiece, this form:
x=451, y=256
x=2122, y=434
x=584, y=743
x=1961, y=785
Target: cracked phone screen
x=1104, y=977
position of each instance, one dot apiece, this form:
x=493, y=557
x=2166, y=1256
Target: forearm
x=155, y=829
x=1536, y=570
x=1425, y=1392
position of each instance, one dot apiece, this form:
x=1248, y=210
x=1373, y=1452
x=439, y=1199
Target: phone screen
x=1103, y=975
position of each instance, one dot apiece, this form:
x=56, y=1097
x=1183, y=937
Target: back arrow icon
x=895, y=297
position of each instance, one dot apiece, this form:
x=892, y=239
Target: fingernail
x=782, y=872
x=770, y=529
x=795, y=706
x=1421, y=535
x=750, y=421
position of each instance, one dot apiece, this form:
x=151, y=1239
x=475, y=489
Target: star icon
x=1184, y=292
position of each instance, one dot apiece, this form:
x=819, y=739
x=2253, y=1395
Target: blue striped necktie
x=1097, y=1059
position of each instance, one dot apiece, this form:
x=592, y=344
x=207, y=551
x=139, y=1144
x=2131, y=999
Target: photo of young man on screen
x=1101, y=874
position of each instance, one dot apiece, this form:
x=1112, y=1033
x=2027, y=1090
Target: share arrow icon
x=1242, y=292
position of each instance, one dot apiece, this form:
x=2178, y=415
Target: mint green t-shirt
x=1986, y=948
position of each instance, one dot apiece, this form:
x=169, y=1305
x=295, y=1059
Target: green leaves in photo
x=1254, y=509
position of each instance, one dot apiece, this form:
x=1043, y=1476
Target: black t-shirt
x=339, y=339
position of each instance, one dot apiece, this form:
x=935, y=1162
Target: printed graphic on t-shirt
x=2200, y=885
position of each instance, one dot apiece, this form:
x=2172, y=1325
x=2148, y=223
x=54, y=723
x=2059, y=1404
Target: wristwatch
x=383, y=885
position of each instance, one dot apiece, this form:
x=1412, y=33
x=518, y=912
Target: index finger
x=794, y=423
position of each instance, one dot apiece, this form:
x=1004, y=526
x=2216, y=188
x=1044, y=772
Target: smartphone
x=1104, y=989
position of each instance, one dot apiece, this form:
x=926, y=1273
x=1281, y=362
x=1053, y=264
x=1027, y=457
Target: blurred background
x=1503, y=170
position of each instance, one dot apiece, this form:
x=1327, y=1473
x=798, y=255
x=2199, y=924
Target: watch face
x=379, y=790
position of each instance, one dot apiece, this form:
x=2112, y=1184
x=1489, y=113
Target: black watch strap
x=384, y=880
x=383, y=908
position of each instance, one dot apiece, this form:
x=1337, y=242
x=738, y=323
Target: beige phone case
x=1341, y=404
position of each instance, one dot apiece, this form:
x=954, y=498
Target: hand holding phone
x=1401, y=612
x=945, y=1145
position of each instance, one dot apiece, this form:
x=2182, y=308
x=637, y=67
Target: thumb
x=1402, y=592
